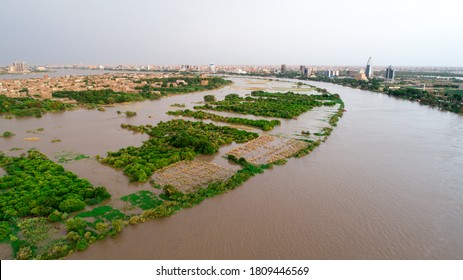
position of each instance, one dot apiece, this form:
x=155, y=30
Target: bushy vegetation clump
x=102, y=96
x=171, y=142
x=262, y=124
x=179, y=85
x=209, y=98
x=260, y=103
x=7, y=134
x=28, y=106
x=36, y=186
x=130, y=114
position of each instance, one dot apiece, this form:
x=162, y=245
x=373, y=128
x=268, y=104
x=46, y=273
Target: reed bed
x=187, y=176
x=268, y=149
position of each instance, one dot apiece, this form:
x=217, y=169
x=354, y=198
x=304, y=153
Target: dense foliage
x=209, y=98
x=171, y=142
x=450, y=100
x=103, y=96
x=373, y=84
x=171, y=86
x=36, y=186
x=262, y=124
x=7, y=134
x=283, y=105
x=5, y=230
x=27, y=106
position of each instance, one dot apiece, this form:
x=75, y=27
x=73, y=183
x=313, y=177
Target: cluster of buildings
x=21, y=68
x=44, y=87
x=390, y=72
x=18, y=67
x=183, y=68
x=231, y=69
x=149, y=67
x=362, y=74
x=368, y=73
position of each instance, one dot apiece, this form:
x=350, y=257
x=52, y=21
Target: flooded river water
x=387, y=184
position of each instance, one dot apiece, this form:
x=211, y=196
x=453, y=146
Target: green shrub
x=130, y=113
x=55, y=216
x=76, y=224
x=209, y=98
x=71, y=204
x=5, y=230
x=8, y=134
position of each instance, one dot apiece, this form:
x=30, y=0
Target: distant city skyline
x=293, y=32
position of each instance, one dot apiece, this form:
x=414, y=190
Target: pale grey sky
x=312, y=32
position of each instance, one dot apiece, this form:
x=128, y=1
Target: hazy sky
x=312, y=32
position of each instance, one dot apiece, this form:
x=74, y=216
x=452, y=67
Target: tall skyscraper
x=283, y=68
x=301, y=69
x=390, y=72
x=369, y=69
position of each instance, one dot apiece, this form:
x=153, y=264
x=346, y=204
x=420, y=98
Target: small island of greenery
x=282, y=105
x=28, y=106
x=171, y=142
x=262, y=124
x=36, y=194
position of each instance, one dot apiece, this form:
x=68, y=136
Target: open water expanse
x=387, y=184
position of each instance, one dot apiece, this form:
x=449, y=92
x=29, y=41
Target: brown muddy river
x=387, y=184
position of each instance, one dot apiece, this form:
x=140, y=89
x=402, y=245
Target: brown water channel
x=387, y=184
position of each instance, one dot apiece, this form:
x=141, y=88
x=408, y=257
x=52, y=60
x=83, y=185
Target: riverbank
x=447, y=101
x=444, y=99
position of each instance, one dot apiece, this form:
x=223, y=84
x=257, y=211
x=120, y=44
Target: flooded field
x=386, y=184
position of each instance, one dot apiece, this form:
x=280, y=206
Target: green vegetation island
x=47, y=212
x=265, y=125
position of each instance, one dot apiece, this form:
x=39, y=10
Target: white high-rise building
x=212, y=68
x=369, y=69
